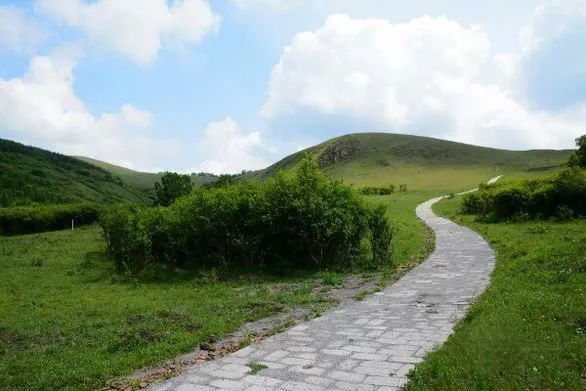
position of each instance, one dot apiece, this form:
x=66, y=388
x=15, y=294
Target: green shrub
x=300, y=219
x=382, y=235
x=377, y=190
x=29, y=219
x=562, y=196
x=126, y=236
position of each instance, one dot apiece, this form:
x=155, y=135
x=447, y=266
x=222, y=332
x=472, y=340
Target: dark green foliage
x=377, y=190
x=28, y=219
x=578, y=159
x=300, y=219
x=222, y=181
x=381, y=235
x=171, y=187
x=562, y=196
x=32, y=175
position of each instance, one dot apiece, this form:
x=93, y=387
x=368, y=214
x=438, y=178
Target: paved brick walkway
x=368, y=345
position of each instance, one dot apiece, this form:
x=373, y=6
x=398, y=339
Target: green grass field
x=66, y=322
x=528, y=330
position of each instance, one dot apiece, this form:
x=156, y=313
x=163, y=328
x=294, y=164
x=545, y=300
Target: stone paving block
x=187, y=387
x=260, y=388
x=308, y=370
x=354, y=386
x=346, y=376
x=276, y=356
x=369, y=356
x=300, y=386
x=320, y=381
x=337, y=352
x=348, y=364
x=383, y=381
x=262, y=381
x=296, y=361
x=228, y=385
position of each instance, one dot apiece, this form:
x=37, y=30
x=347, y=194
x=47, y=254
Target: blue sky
x=225, y=85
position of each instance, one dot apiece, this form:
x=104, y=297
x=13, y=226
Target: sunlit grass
x=527, y=331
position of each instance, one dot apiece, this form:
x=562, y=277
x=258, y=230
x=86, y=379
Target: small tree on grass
x=171, y=187
x=578, y=159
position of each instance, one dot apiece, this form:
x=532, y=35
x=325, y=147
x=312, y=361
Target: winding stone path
x=368, y=345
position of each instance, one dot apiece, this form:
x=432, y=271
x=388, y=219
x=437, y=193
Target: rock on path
x=367, y=345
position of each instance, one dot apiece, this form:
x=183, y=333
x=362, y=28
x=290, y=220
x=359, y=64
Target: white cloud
x=136, y=28
x=229, y=150
x=41, y=107
x=17, y=31
x=421, y=76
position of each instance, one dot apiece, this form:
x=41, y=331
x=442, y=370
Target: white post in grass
x=72, y=224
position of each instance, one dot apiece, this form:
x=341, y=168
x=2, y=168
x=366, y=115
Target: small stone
x=207, y=346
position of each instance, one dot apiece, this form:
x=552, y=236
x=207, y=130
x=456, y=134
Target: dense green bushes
x=562, y=196
x=300, y=219
x=377, y=190
x=28, y=219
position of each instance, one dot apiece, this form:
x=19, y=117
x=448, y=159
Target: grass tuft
x=255, y=367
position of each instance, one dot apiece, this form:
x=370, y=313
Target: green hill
x=364, y=159
x=143, y=180
x=29, y=174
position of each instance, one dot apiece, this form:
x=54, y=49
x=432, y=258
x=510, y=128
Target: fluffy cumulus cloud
x=229, y=150
x=41, y=107
x=18, y=32
x=136, y=28
x=421, y=76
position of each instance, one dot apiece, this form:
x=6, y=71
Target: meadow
x=67, y=321
x=527, y=330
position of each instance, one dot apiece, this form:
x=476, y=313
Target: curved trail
x=367, y=345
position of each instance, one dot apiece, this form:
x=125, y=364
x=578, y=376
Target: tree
x=171, y=187
x=578, y=159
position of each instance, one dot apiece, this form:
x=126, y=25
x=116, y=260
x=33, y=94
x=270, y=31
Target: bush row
x=29, y=219
x=377, y=190
x=562, y=196
x=300, y=219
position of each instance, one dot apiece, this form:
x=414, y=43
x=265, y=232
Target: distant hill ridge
x=379, y=158
x=30, y=174
x=143, y=180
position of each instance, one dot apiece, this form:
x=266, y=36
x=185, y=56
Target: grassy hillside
x=29, y=174
x=139, y=179
x=420, y=162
